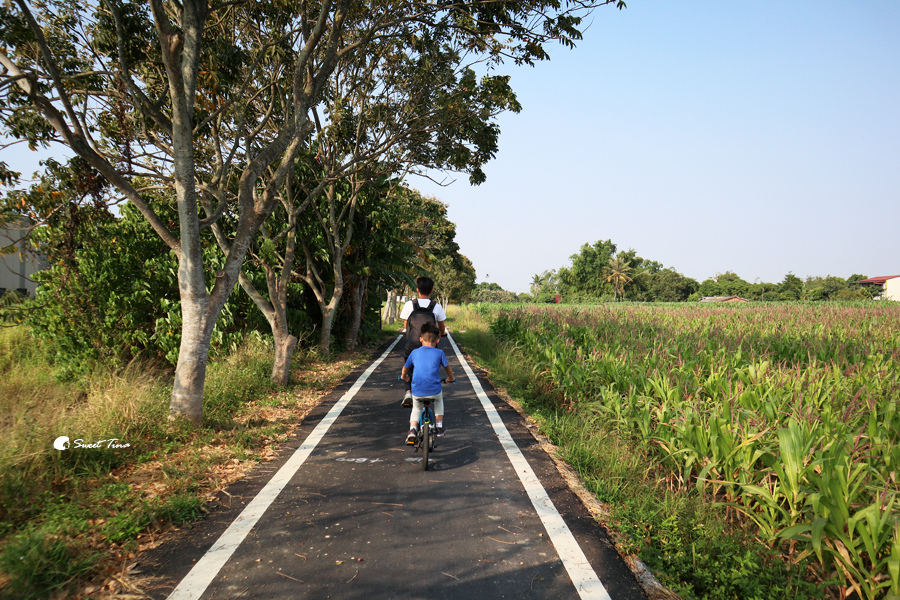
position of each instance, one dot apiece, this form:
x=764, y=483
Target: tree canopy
x=600, y=271
x=214, y=103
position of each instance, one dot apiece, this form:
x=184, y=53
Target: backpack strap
x=431, y=306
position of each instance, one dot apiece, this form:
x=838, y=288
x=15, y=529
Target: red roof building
x=877, y=280
x=890, y=289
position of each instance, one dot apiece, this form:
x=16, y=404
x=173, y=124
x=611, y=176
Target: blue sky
x=757, y=137
x=761, y=138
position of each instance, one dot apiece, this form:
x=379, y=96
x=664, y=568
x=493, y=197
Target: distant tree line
x=492, y=292
x=599, y=272
x=791, y=287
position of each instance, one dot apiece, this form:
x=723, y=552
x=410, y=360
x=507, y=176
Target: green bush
x=12, y=305
x=111, y=293
x=40, y=563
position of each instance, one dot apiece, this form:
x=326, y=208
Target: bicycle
x=427, y=431
x=426, y=434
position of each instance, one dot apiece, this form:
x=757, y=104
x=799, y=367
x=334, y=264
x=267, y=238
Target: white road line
x=583, y=576
x=206, y=569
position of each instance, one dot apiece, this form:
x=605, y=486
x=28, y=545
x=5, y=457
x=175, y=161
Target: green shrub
x=40, y=563
x=111, y=293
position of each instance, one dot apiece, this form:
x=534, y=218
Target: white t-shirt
x=439, y=314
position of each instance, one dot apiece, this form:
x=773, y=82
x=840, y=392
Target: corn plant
x=786, y=413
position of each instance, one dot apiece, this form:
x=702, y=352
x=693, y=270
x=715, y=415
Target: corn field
x=785, y=413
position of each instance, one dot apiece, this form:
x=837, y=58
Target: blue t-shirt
x=426, y=377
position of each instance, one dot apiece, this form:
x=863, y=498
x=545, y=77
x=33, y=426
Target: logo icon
x=61, y=443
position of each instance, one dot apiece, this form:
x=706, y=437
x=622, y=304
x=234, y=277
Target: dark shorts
x=407, y=350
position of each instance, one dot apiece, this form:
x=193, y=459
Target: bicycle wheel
x=426, y=436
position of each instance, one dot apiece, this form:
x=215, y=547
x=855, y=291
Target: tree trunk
x=332, y=228
x=357, y=292
x=285, y=344
x=329, y=309
x=395, y=306
x=276, y=315
x=198, y=321
x=391, y=308
x=328, y=312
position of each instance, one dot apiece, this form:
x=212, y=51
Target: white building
x=17, y=267
x=892, y=289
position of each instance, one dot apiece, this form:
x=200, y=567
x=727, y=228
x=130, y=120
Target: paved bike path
x=358, y=518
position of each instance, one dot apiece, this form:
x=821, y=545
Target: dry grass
x=169, y=468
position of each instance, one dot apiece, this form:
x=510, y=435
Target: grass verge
x=693, y=548
x=73, y=521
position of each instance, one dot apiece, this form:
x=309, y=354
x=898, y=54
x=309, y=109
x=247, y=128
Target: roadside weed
x=40, y=564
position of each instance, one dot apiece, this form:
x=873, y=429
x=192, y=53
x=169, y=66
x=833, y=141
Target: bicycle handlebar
x=443, y=379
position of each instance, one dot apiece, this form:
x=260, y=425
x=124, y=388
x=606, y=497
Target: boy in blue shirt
x=426, y=379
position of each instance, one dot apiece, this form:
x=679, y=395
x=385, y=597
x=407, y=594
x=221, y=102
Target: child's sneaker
x=411, y=437
x=440, y=431
x=407, y=399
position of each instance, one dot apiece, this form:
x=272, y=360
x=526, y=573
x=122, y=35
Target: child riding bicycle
x=425, y=364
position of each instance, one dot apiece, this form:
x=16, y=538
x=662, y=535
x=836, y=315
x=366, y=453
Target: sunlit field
x=785, y=415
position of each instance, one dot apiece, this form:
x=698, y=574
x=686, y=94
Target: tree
x=454, y=278
x=432, y=237
x=618, y=272
x=214, y=102
x=106, y=294
x=427, y=228
x=642, y=272
x=668, y=285
x=173, y=91
x=763, y=291
x=826, y=288
x=791, y=287
x=710, y=288
x=725, y=284
x=864, y=292
x=586, y=275
x=544, y=287
x=492, y=292
x=403, y=108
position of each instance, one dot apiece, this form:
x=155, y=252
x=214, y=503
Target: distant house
x=723, y=299
x=890, y=286
x=17, y=267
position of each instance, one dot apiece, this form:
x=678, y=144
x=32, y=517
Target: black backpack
x=418, y=317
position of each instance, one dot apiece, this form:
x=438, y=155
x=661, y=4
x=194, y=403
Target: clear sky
x=756, y=137
x=709, y=135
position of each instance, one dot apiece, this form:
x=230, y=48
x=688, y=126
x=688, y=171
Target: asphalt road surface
x=347, y=512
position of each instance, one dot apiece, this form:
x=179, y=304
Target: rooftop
x=877, y=280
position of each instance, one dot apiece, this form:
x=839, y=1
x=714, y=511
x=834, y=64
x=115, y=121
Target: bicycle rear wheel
x=426, y=443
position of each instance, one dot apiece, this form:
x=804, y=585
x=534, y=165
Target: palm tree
x=618, y=273
x=543, y=283
x=536, y=283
